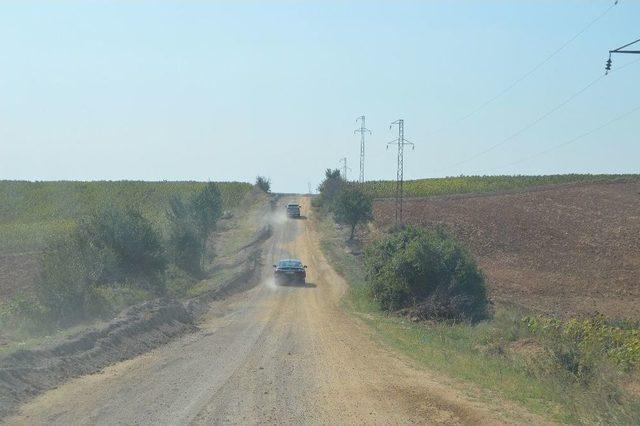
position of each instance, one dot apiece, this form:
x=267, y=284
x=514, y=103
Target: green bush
x=427, y=271
x=65, y=289
x=125, y=248
x=119, y=296
x=191, y=224
x=352, y=207
x=206, y=208
x=263, y=183
x=581, y=343
x=330, y=188
x=24, y=313
x=179, y=281
x=185, y=244
x=115, y=257
x=106, y=250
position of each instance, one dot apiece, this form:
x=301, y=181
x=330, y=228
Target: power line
x=575, y=139
x=401, y=141
x=362, y=130
x=526, y=127
x=536, y=121
x=528, y=73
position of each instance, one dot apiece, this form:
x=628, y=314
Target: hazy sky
x=226, y=90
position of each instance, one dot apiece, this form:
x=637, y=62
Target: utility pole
x=310, y=192
x=343, y=162
x=362, y=130
x=401, y=142
x=621, y=49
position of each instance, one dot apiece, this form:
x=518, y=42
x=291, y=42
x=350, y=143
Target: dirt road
x=286, y=355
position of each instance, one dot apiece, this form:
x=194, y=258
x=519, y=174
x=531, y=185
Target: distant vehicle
x=293, y=210
x=290, y=271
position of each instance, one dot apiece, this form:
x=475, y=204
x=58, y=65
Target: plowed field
x=571, y=249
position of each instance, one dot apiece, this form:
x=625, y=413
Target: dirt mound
x=26, y=373
x=563, y=250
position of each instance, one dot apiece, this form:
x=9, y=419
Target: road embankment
x=26, y=373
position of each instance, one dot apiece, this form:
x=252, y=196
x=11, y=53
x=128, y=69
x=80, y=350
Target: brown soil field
x=564, y=250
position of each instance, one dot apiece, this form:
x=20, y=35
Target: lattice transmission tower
x=345, y=168
x=401, y=142
x=362, y=130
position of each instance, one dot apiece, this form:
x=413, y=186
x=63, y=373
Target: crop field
x=481, y=184
x=564, y=250
x=31, y=212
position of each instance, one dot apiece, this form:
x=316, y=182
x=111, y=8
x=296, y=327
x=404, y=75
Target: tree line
x=116, y=256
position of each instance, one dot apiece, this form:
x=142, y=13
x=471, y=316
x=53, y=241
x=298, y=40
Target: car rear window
x=289, y=264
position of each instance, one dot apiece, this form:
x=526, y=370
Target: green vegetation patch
x=429, y=273
x=483, y=184
x=30, y=212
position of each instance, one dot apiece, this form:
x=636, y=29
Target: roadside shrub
x=80, y=271
x=120, y=296
x=186, y=246
x=428, y=272
x=24, y=313
x=206, y=208
x=263, y=183
x=330, y=188
x=581, y=343
x=352, y=207
x=179, y=281
x=70, y=269
x=126, y=246
x=190, y=226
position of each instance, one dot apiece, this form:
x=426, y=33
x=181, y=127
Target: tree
x=352, y=207
x=263, y=183
x=330, y=187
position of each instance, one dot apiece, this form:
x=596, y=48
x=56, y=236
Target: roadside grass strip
x=486, y=354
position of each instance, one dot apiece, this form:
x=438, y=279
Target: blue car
x=290, y=271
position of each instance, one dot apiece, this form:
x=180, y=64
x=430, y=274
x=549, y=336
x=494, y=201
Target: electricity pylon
x=621, y=49
x=362, y=130
x=401, y=142
x=343, y=162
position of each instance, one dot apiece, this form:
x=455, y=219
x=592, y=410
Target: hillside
x=31, y=212
x=562, y=250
